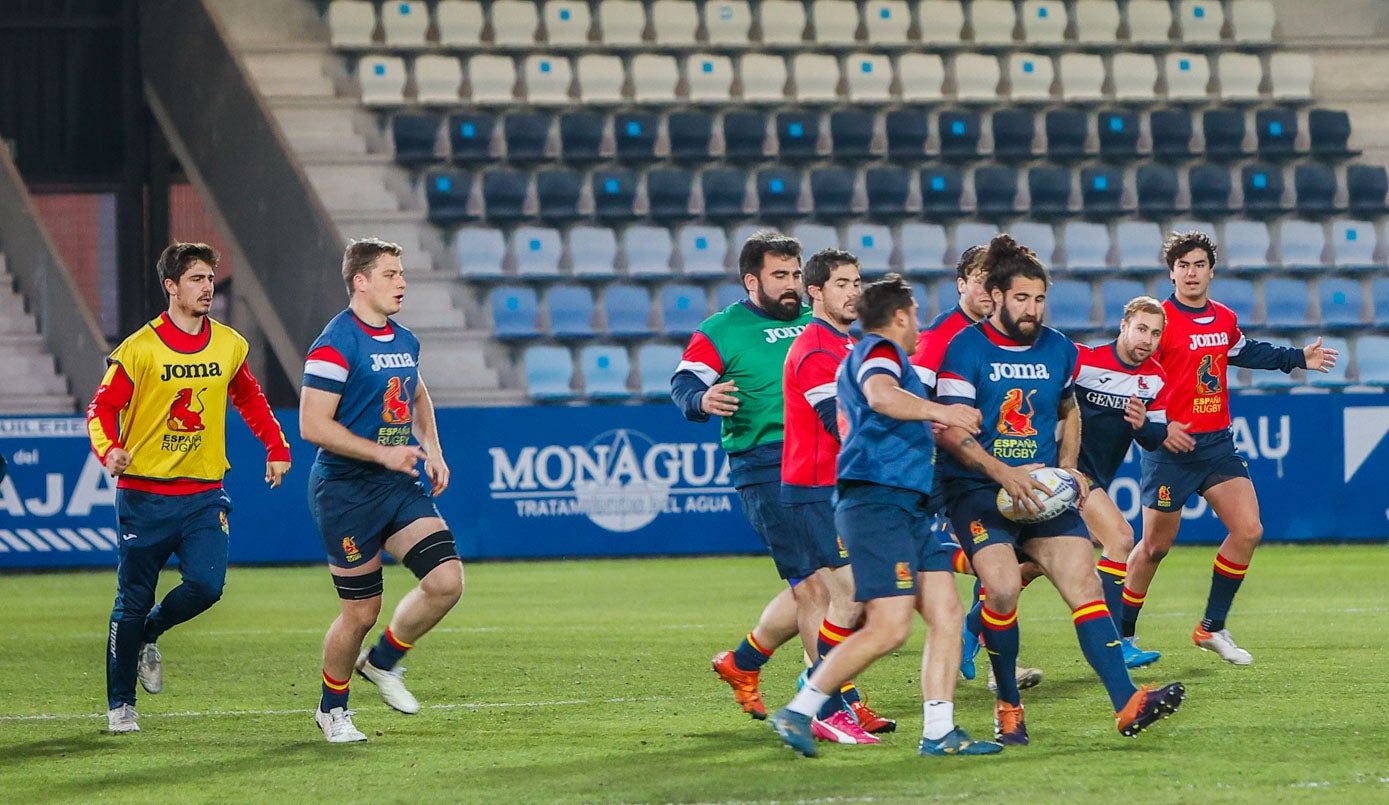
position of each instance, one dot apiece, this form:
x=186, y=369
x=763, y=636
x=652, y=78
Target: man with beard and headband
x=732, y=369
x=158, y=424
x=1019, y=374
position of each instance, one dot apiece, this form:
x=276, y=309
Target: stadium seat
x=727, y=23
x=763, y=78
x=1366, y=186
x=1286, y=303
x=549, y=373
x=942, y=22
x=1240, y=75
x=1263, y=189
x=1030, y=76
x=351, y=24
x=668, y=192
x=744, y=136
x=634, y=134
x=834, y=23
x=1014, y=132
x=1049, y=190
x=491, y=80
x=647, y=251
x=437, y=80
x=1102, y=190
x=887, y=22
x=1039, y=237
x=689, y=133
x=414, y=137
x=888, y=191
x=1276, y=132
x=567, y=23
x=729, y=293
x=1372, y=359
x=1341, y=302
x=459, y=22
x=1118, y=133
x=1301, y=244
x=513, y=312
x=907, y=132
x=1252, y=21
x=832, y=192
x=872, y=245
x=868, y=77
x=995, y=191
x=382, y=79
x=655, y=365
x=1200, y=20
x=1210, y=190
x=470, y=137
x=1238, y=295
x=600, y=77
x=1353, y=246
x=959, y=132
x=709, y=79
x=1068, y=133
x=674, y=23
x=1069, y=305
x=557, y=192
x=1096, y=22
x=527, y=135
x=815, y=237
x=547, y=80
x=1157, y=191
x=481, y=253
x=514, y=23
x=976, y=78
x=1150, y=21
x=1245, y=245
x=581, y=137
x=703, y=250
x=605, y=370
x=504, y=195
x=782, y=22
x=682, y=309
x=654, y=78
x=942, y=191
x=1114, y=294
x=446, y=194
x=614, y=191
x=1135, y=78
x=571, y=311
x=725, y=191
x=1171, y=132
x=971, y=233
x=1188, y=76
x=621, y=22
x=816, y=77
x=851, y=135
x=992, y=21
x=798, y=134
x=536, y=251
x=1379, y=296
x=592, y=251
x=1087, y=246
x=1224, y=131
x=778, y=192
x=1139, y=245
x=1290, y=76
x=924, y=248
x=1315, y=187
x=921, y=76
x=628, y=310
x=1328, y=132
x=1043, y=21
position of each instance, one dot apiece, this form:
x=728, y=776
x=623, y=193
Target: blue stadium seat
x=1315, y=186
x=581, y=137
x=797, y=134
x=729, y=293
x=959, y=134
x=851, y=132
x=1114, y=294
x=1067, y=133
x=1379, y=297
x=942, y=191
x=1276, y=132
x=1328, y=131
x=1224, y=131
x=832, y=192
x=1087, y=246
x=526, y=134
x=1245, y=245
x=995, y=191
x=967, y=234
x=513, y=312
x=1210, y=190
x=1238, y=295
x=703, y=250
x=668, y=193
x=1069, y=303
x=605, y=371
x=1171, y=131
x=558, y=194
x=907, y=133
x=744, y=136
x=1102, y=190
x=813, y=237
x=549, y=373
x=628, y=310
x=690, y=133
x=888, y=189
x=1015, y=131
x=1372, y=359
x=1037, y=236
x=592, y=251
x=655, y=365
x=1263, y=189
x=446, y=192
x=946, y=296
x=1157, y=191
x=614, y=191
x=1353, y=245
x=415, y=136
x=1139, y=246
x=1286, y=303
x=648, y=251
x=1366, y=186
x=634, y=134
x=1302, y=244
x=1049, y=189
x=481, y=252
x=536, y=251
x=1338, y=374
x=778, y=192
x=725, y=190
x=924, y=248
x=571, y=311
x=1341, y=301
x=872, y=245
x=682, y=309
x=1119, y=130
x=504, y=194
x=470, y=137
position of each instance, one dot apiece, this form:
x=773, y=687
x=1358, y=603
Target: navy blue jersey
x=1018, y=388
x=1103, y=387
x=875, y=447
x=375, y=371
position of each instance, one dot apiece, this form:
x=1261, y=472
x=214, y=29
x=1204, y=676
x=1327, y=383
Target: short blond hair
x=1144, y=304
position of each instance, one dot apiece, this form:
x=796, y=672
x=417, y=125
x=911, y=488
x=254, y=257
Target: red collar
x=179, y=341
x=997, y=336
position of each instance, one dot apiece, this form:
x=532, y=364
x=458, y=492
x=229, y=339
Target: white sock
x=940, y=719
x=808, y=701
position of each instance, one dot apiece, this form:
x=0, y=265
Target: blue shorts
x=355, y=516
x=978, y=523
x=1169, y=479
x=888, y=532
x=778, y=527
x=819, y=538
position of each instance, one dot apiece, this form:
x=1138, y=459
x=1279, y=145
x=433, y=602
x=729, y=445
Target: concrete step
x=290, y=74
x=58, y=402
x=475, y=398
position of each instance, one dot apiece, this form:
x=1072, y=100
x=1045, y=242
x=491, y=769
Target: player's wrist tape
x=430, y=552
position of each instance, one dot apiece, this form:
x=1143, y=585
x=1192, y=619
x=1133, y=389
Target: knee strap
x=430, y=552
x=359, y=588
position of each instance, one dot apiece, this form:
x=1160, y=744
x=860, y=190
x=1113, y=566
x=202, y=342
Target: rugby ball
x=1064, y=493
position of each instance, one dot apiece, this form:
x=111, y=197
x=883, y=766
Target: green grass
x=589, y=681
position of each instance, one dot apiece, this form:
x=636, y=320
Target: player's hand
x=1319, y=358
x=275, y=472
x=1027, y=492
x=438, y=474
x=719, y=400
x=959, y=416
x=1135, y=413
x=402, y=458
x=117, y=459
x=1082, y=484
x=1178, y=440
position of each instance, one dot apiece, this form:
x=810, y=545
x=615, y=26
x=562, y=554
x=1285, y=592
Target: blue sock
x=1001, y=641
x=1100, y=643
x=1112, y=576
x=388, y=651
x=334, y=694
x=749, y=656
x=1226, y=578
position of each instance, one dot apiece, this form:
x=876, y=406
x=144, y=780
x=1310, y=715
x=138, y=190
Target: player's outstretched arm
x=426, y=431
x=318, y=427
x=1319, y=358
x=887, y=397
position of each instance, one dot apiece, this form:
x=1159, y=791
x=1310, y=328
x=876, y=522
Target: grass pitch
x=590, y=682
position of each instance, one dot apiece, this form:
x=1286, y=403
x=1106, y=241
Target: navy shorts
x=819, y=538
x=888, y=532
x=355, y=515
x=978, y=523
x=778, y=527
x=1166, y=484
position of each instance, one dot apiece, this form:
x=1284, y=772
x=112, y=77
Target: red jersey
x=1195, y=351
x=810, y=450
x=931, y=343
